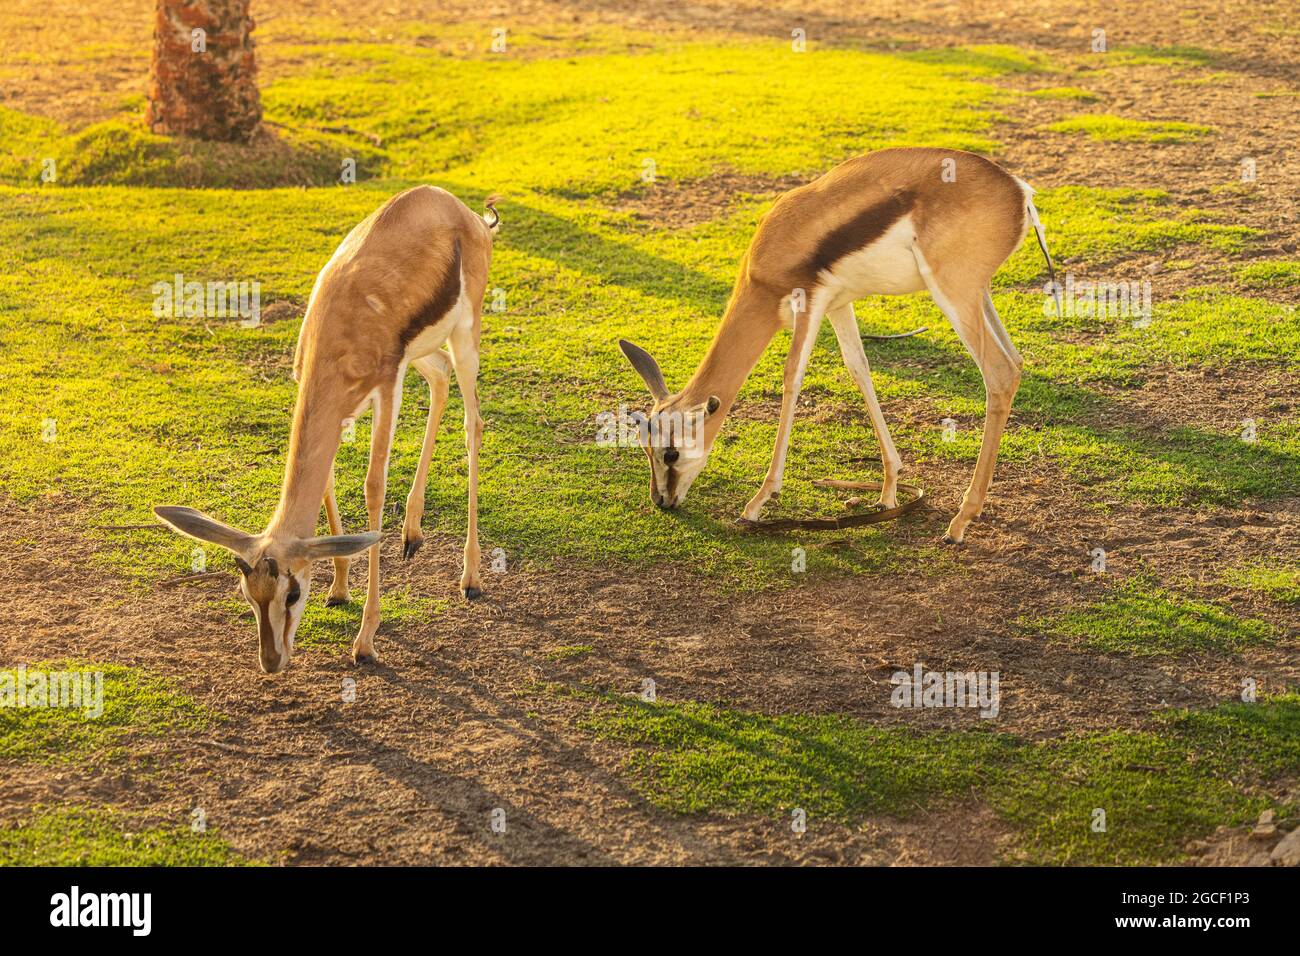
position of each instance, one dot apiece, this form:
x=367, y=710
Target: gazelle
x=889, y=222
x=407, y=280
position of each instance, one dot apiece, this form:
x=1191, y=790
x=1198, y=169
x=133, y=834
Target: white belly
x=885, y=267
x=435, y=336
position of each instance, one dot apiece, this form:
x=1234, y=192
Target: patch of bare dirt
x=1264, y=843
x=1217, y=400
x=678, y=204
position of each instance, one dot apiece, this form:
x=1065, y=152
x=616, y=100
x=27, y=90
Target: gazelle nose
x=671, y=455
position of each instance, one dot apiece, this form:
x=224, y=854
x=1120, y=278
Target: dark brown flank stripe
x=857, y=233
x=444, y=297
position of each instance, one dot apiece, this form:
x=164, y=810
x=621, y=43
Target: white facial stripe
x=295, y=612
x=283, y=620
x=276, y=610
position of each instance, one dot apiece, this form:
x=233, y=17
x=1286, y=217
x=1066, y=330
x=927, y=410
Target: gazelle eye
x=291, y=598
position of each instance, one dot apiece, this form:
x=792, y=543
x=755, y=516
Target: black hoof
x=410, y=547
x=949, y=539
x=335, y=601
x=360, y=659
x=745, y=523
x=472, y=594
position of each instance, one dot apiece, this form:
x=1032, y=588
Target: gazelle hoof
x=336, y=601
x=471, y=594
x=358, y=658
x=949, y=539
x=410, y=547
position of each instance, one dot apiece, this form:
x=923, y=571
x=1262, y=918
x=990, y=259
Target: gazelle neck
x=751, y=321
x=313, y=443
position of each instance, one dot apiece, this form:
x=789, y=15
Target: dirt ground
x=452, y=724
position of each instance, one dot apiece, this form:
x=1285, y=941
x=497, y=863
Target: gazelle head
x=673, y=434
x=274, y=573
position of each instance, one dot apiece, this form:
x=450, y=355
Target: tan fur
x=960, y=233
x=386, y=299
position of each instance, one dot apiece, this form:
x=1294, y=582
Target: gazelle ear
x=339, y=545
x=195, y=524
x=647, y=368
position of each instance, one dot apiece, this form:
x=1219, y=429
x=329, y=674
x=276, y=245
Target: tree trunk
x=203, y=80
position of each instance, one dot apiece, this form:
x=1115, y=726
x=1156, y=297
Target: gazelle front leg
x=339, y=586
x=464, y=358
x=381, y=444
x=845, y=324
x=796, y=364
x=436, y=369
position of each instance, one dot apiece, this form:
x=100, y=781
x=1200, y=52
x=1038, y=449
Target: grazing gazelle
x=890, y=222
x=409, y=278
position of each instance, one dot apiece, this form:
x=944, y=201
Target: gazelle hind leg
x=981, y=331
x=845, y=324
x=465, y=360
x=993, y=324
x=436, y=369
x=381, y=445
x=338, y=593
x=796, y=364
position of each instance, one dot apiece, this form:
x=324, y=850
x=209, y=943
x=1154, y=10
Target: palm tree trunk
x=203, y=80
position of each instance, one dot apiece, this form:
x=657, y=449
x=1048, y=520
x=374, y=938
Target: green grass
x=1270, y=275
x=121, y=152
x=1146, y=621
x=200, y=408
x=1198, y=771
x=568, y=652
x=75, y=836
x=541, y=394
x=1275, y=579
x=135, y=703
x=1100, y=226
x=693, y=758
x=546, y=119
x=1159, y=788
x=1118, y=129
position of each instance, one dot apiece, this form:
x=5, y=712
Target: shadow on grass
x=1206, y=466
